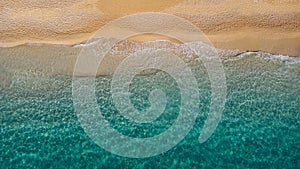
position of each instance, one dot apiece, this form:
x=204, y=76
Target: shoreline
x=245, y=40
x=270, y=41
x=56, y=59
x=39, y=60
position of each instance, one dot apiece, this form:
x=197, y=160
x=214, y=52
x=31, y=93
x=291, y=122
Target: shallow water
x=259, y=127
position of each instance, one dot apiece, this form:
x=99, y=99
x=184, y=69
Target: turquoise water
x=260, y=126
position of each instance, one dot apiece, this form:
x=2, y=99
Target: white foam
x=126, y=47
x=267, y=56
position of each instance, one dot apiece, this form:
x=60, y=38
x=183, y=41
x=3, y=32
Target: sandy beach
x=259, y=25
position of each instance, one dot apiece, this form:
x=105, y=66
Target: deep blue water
x=260, y=126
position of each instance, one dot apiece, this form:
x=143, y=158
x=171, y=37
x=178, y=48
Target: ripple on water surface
x=259, y=127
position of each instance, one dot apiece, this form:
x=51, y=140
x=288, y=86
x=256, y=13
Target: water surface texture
x=260, y=126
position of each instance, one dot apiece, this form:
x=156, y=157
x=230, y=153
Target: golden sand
x=267, y=25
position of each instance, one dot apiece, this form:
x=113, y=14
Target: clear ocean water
x=260, y=126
